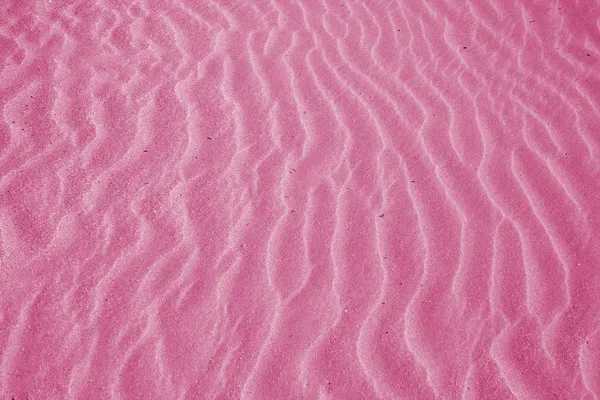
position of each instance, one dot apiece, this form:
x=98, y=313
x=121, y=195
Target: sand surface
x=299, y=199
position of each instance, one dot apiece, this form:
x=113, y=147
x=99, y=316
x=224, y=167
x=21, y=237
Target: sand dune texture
x=300, y=199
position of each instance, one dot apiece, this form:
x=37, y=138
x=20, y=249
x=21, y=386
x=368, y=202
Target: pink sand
x=300, y=199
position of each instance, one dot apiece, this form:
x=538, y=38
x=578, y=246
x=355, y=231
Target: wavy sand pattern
x=300, y=199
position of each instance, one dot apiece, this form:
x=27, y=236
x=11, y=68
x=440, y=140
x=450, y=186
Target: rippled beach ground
x=299, y=199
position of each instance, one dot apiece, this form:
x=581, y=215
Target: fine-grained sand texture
x=299, y=199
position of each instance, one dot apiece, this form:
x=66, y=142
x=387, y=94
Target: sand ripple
x=299, y=199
